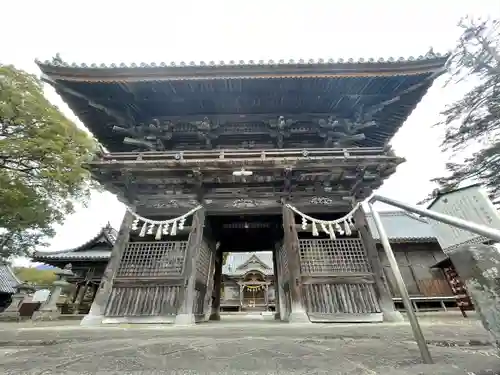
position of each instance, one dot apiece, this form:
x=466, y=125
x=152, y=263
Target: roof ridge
x=14, y=276
x=8, y=279
x=58, y=62
x=399, y=213
x=104, y=231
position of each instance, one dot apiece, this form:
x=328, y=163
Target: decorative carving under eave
x=244, y=203
x=280, y=129
x=322, y=201
x=207, y=131
x=151, y=136
x=287, y=186
x=168, y=204
x=341, y=132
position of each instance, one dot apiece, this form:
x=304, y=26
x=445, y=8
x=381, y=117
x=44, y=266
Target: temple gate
x=247, y=141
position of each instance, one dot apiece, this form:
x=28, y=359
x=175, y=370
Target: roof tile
x=401, y=226
x=8, y=280
x=58, y=62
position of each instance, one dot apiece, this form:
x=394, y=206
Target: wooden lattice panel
x=324, y=256
x=203, y=262
x=153, y=259
x=143, y=301
x=340, y=298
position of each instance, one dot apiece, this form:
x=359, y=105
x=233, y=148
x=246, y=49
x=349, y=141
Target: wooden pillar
x=185, y=314
x=381, y=287
x=79, y=298
x=215, y=315
x=241, y=296
x=207, y=309
x=266, y=296
x=298, y=313
x=96, y=313
x=277, y=313
x=76, y=293
x=94, y=292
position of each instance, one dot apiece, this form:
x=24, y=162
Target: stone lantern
x=12, y=312
x=49, y=310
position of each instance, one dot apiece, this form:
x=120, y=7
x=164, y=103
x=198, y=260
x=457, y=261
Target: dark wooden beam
x=122, y=119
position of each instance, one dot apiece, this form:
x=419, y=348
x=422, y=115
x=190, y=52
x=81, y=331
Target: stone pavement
x=236, y=346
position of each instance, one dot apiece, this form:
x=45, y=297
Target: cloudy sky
x=154, y=31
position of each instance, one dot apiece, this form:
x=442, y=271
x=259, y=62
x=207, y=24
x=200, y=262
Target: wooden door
x=337, y=281
x=148, y=280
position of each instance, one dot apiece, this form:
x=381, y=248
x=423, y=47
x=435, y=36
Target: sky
x=155, y=31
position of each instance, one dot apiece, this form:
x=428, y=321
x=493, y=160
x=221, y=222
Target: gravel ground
x=245, y=346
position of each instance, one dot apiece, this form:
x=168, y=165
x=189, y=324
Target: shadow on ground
x=234, y=346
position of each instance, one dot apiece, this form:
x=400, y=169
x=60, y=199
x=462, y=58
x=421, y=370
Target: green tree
x=35, y=276
x=42, y=155
x=475, y=118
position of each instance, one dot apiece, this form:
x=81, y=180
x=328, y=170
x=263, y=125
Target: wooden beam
x=119, y=117
x=185, y=313
x=100, y=304
x=291, y=244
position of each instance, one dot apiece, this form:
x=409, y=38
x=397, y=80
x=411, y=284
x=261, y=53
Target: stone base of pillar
x=184, y=320
x=298, y=316
x=215, y=315
x=44, y=315
x=277, y=316
x=393, y=316
x=10, y=316
x=91, y=320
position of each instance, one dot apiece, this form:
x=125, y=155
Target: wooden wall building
x=88, y=261
x=8, y=284
x=248, y=282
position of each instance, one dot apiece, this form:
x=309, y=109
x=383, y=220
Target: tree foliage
x=35, y=276
x=41, y=163
x=475, y=118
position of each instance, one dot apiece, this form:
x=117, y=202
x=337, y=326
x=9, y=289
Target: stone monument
x=49, y=310
x=12, y=312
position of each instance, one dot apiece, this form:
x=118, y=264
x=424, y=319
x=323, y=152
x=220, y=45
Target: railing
x=247, y=154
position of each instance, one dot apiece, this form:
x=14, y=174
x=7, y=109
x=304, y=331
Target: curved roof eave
x=8, y=279
x=104, y=232
x=58, y=69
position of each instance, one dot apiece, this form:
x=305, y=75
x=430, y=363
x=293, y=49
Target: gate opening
x=248, y=273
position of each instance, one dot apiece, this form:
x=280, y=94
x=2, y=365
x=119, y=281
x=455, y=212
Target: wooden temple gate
x=166, y=150
x=164, y=281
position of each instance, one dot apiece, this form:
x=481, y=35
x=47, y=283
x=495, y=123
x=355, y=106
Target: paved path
x=244, y=347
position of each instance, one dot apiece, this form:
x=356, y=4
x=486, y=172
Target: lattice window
x=203, y=262
x=324, y=256
x=152, y=259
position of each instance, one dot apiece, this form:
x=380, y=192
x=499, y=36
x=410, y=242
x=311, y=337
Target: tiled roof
x=8, y=280
x=58, y=62
x=236, y=260
x=98, y=247
x=401, y=226
x=94, y=254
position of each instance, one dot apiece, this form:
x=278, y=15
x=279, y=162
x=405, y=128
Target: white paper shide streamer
x=344, y=225
x=160, y=227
